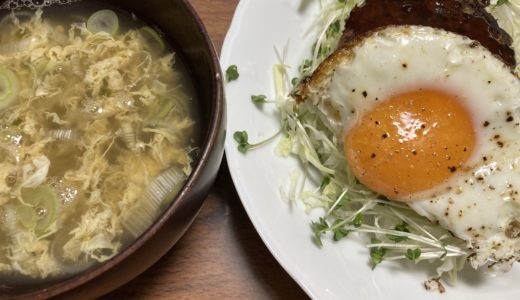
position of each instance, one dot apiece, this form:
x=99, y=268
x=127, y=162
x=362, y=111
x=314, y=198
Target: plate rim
x=226, y=45
x=232, y=156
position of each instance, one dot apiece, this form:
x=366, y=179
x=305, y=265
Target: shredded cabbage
x=393, y=231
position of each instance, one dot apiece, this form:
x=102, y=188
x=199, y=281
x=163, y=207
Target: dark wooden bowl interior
x=182, y=27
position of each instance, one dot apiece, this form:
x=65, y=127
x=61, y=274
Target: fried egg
x=431, y=118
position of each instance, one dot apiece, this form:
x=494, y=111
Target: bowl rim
x=208, y=145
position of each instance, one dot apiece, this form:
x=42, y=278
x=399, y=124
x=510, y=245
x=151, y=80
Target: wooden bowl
x=180, y=24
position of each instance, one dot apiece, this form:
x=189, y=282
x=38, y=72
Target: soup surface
x=97, y=134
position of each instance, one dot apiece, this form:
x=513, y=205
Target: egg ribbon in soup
x=96, y=133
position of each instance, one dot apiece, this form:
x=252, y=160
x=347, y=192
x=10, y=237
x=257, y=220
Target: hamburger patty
x=465, y=17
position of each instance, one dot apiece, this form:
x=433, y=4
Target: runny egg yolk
x=410, y=143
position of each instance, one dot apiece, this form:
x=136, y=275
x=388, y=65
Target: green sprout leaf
x=306, y=66
x=319, y=228
x=259, y=99
x=232, y=73
x=322, y=225
x=325, y=182
x=377, y=254
x=358, y=220
x=324, y=51
x=294, y=81
x=413, y=254
x=333, y=28
x=398, y=238
x=501, y=2
x=243, y=146
x=339, y=231
x=342, y=202
x=241, y=138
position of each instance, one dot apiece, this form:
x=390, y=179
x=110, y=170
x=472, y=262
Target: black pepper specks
x=385, y=135
x=486, y=124
x=499, y=142
x=365, y=94
x=373, y=155
x=452, y=169
x=405, y=66
x=510, y=119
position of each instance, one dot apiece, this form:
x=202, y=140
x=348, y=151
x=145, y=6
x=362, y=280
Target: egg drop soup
x=97, y=135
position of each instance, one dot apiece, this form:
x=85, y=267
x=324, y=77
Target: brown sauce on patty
x=465, y=17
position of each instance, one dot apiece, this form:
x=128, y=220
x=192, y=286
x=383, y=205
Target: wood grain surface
x=221, y=256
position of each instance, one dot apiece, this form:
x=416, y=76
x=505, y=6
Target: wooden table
x=221, y=256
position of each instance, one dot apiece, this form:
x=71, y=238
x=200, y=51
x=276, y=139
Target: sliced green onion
x=103, y=21
x=167, y=183
x=40, y=203
x=166, y=109
x=40, y=66
x=8, y=87
x=63, y=134
x=27, y=216
x=153, y=40
x=128, y=135
x=160, y=193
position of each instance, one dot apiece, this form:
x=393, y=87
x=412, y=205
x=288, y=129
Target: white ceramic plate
x=338, y=270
